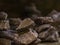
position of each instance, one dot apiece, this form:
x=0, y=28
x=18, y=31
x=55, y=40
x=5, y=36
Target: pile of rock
x=29, y=30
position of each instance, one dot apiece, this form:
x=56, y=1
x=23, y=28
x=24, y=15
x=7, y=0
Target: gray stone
x=50, y=34
x=3, y=15
x=14, y=22
x=46, y=19
x=42, y=27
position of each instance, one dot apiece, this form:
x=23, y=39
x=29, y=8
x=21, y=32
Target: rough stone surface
x=25, y=23
x=3, y=15
x=28, y=37
x=14, y=22
x=42, y=27
x=49, y=34
x=5, y=41
x=4, y=25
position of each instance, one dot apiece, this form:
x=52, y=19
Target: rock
x=37, y=41
x=50, y=34
x=4, y=25
x=53, y=37
x=3, y=15
x=56, y=18
x=4, y=41
x=26, y=23
x=53, y=12
x=43, y=20
x=14, y=22
x=28, y=37
x=43, y=27
x=46, y=19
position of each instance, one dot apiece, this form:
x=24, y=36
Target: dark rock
x=50, y=34
x=3, y=15
x=43, y=20
x=14, y=23
x=4, y=25
x=4, y=41
x=37, y=41
x=43, y=27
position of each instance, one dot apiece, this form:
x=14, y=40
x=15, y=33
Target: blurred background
x=14, y=8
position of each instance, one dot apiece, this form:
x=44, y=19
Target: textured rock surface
x=28, y=37
x=3, y=15
x=25, y=23
x=49, y=34
x=5, y=41
x=4, y=24
x=14, y=22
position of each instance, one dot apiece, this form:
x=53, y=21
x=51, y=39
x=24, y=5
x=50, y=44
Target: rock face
x=43, y=20
x=49, y=34
x=4, y=25
x=42, y=27
x=3, y=15
x=25, y=23
x=28, y=37
x=5, y=41
x=14, y=22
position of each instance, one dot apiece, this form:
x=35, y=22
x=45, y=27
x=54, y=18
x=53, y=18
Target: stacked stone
x=4, y=25
x=27, y=34
x=28, y=31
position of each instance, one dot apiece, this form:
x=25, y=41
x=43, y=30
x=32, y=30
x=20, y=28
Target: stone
x=46, y=19
x=4, y=25
x=43, y=20
x=42, y=27
x=26, y=23
x=3, y=15
x=14, y=22
x=4, y=41
x=50, y=34
x=37, y=41
x=28, y=37
x=52, y=12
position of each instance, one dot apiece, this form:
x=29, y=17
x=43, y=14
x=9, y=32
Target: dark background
x=14, y=7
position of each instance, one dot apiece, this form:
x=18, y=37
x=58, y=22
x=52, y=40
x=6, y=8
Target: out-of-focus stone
x=28, y=37
x=46, y=19
x=3, y=15
x=53, y=12
x=43, y=20
x=26, y=23
x=4, y=25
x=50, y=34
x=42, y=27
x=15, y=22
x=37, y=41
x=5, y=41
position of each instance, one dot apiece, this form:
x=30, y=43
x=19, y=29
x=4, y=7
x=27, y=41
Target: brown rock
x=46, y=19
x=5, y=41
x=49, y=34
x=4, y=25
x=26, y=23
x=28, y=37
x=15, y=22
x=42, y=27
